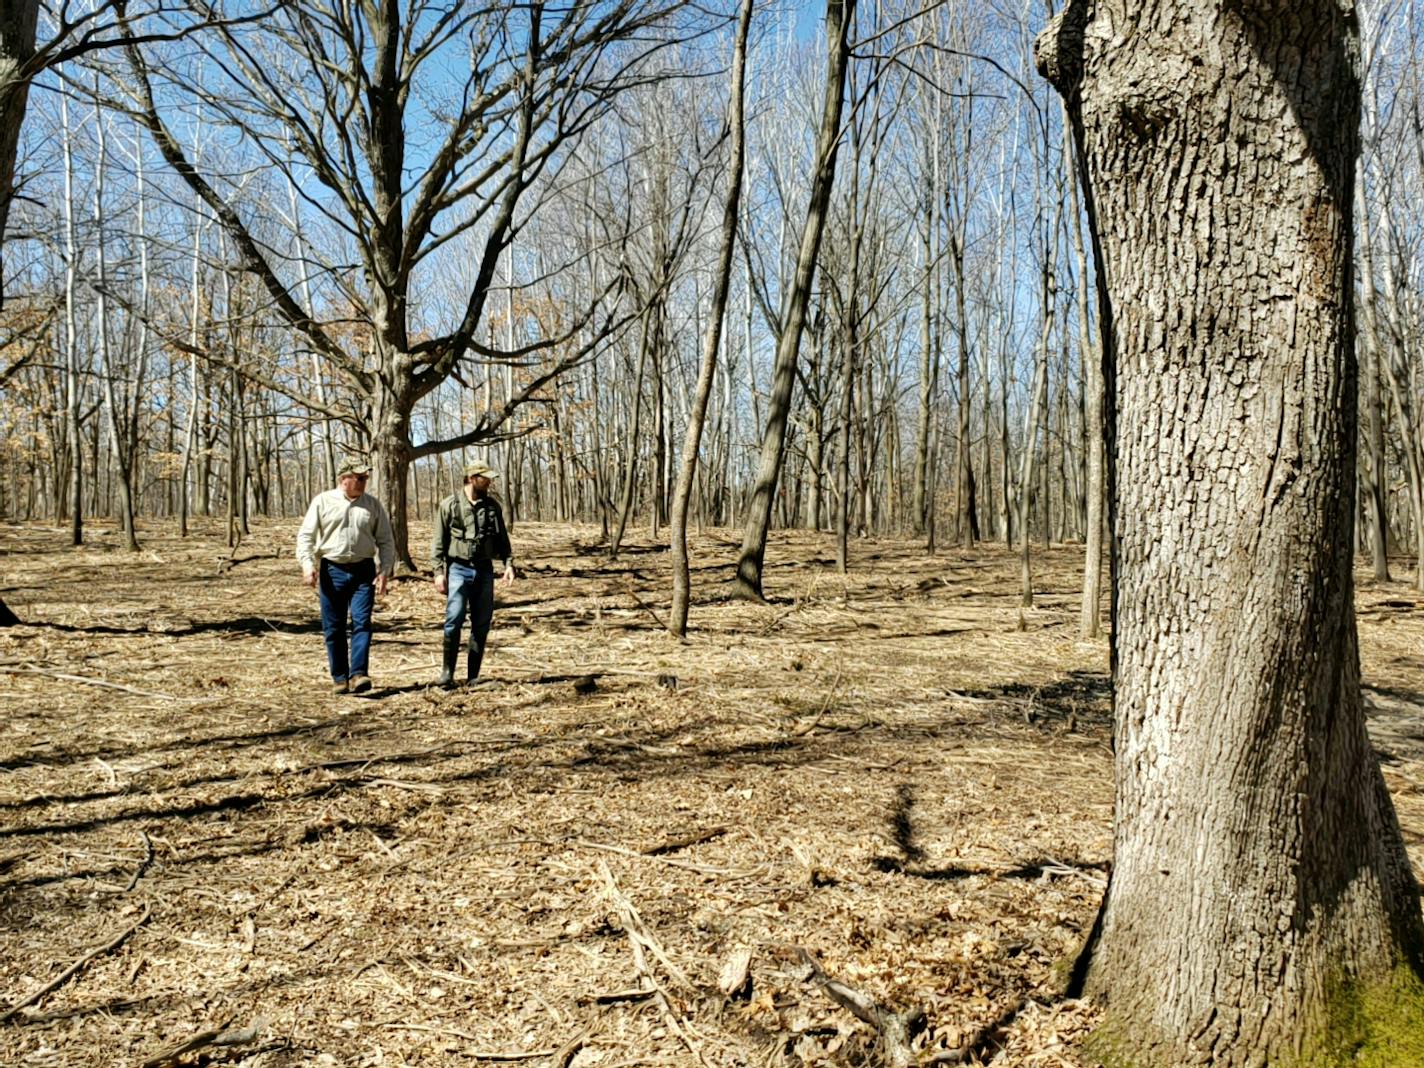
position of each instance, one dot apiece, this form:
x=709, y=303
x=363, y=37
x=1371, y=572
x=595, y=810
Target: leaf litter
x=889, y=790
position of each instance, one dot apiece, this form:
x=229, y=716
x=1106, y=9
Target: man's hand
x=440, y=582
x=308, y=577
x=381, y=581
x=508, y=574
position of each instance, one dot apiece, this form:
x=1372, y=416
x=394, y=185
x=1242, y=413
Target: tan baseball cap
x=480, y=469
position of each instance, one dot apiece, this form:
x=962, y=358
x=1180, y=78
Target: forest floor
x=900, y=775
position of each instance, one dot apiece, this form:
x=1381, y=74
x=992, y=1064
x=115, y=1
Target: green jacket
x=469, y=531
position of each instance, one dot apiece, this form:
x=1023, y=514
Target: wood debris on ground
x=622, y=850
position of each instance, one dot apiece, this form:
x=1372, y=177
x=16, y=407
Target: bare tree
x=840, y=18
x=1261, y=907
x=339, y=85
x=712, y=339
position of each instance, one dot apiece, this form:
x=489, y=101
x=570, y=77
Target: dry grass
x=898, y=772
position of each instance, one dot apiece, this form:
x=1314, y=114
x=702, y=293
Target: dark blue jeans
x=347, y=588
x=470, y=590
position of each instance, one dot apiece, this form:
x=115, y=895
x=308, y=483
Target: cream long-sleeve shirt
x=344, y=531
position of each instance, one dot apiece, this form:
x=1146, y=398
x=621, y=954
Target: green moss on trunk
x=1378, y=1024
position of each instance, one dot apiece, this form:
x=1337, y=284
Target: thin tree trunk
x=1372, y=471
x=630, y=468
x=191, y=433
x=1026, y=471
x=840, y=15
x=716, y=316
x=1089, y=623
x=72, y=394
x=107, y=372
x=1411, y=441
x=929, y=355
x=963, y=466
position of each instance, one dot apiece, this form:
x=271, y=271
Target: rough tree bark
x=18, y=19
x=1261, y=908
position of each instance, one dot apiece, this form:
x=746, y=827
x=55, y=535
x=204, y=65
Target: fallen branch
x=638, y=938
x=221, y=1035
x=618, y=997
x=672, y=845
x=807, y=728
x=478, y=1055
x=646, y=607
x=896, y=1029
x=73, y=969
x=105, y=683
x=565, y=1055
x=401, y=784
x=143, y=864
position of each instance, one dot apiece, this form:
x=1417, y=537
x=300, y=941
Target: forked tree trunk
x=1261, y=909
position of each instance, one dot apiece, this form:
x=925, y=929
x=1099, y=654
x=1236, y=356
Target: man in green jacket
x=470, y=534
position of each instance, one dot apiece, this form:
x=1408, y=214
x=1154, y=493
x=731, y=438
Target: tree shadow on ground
x=634, y=756
x=1086, y=696
x=252, y=626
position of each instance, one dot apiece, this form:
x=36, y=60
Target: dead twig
x=143, y=864
x=672, y=845
x=686, y=865
x=620, y=997
x=565, y=1055
x=645, y=607
x=896, y=1029
x=479, y=1055
x=807, y=728
x=68, y=973
x=30, y=669
x=638, y=939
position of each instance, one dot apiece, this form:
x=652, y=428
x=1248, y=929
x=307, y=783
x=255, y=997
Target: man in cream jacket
x=347, y=552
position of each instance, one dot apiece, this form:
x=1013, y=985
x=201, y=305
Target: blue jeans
x=347, y=588
x=470, y=591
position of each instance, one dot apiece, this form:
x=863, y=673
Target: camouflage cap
x=353, y=465
x=480, y=469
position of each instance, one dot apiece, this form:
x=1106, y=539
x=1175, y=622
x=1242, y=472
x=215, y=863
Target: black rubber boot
x=451, y=652
x=475, y=654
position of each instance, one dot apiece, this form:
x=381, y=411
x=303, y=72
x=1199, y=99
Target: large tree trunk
x=840, y=15
x=1261, y=909
x=18, y=19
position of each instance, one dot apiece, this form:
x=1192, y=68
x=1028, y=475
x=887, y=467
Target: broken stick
x=68, y=973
